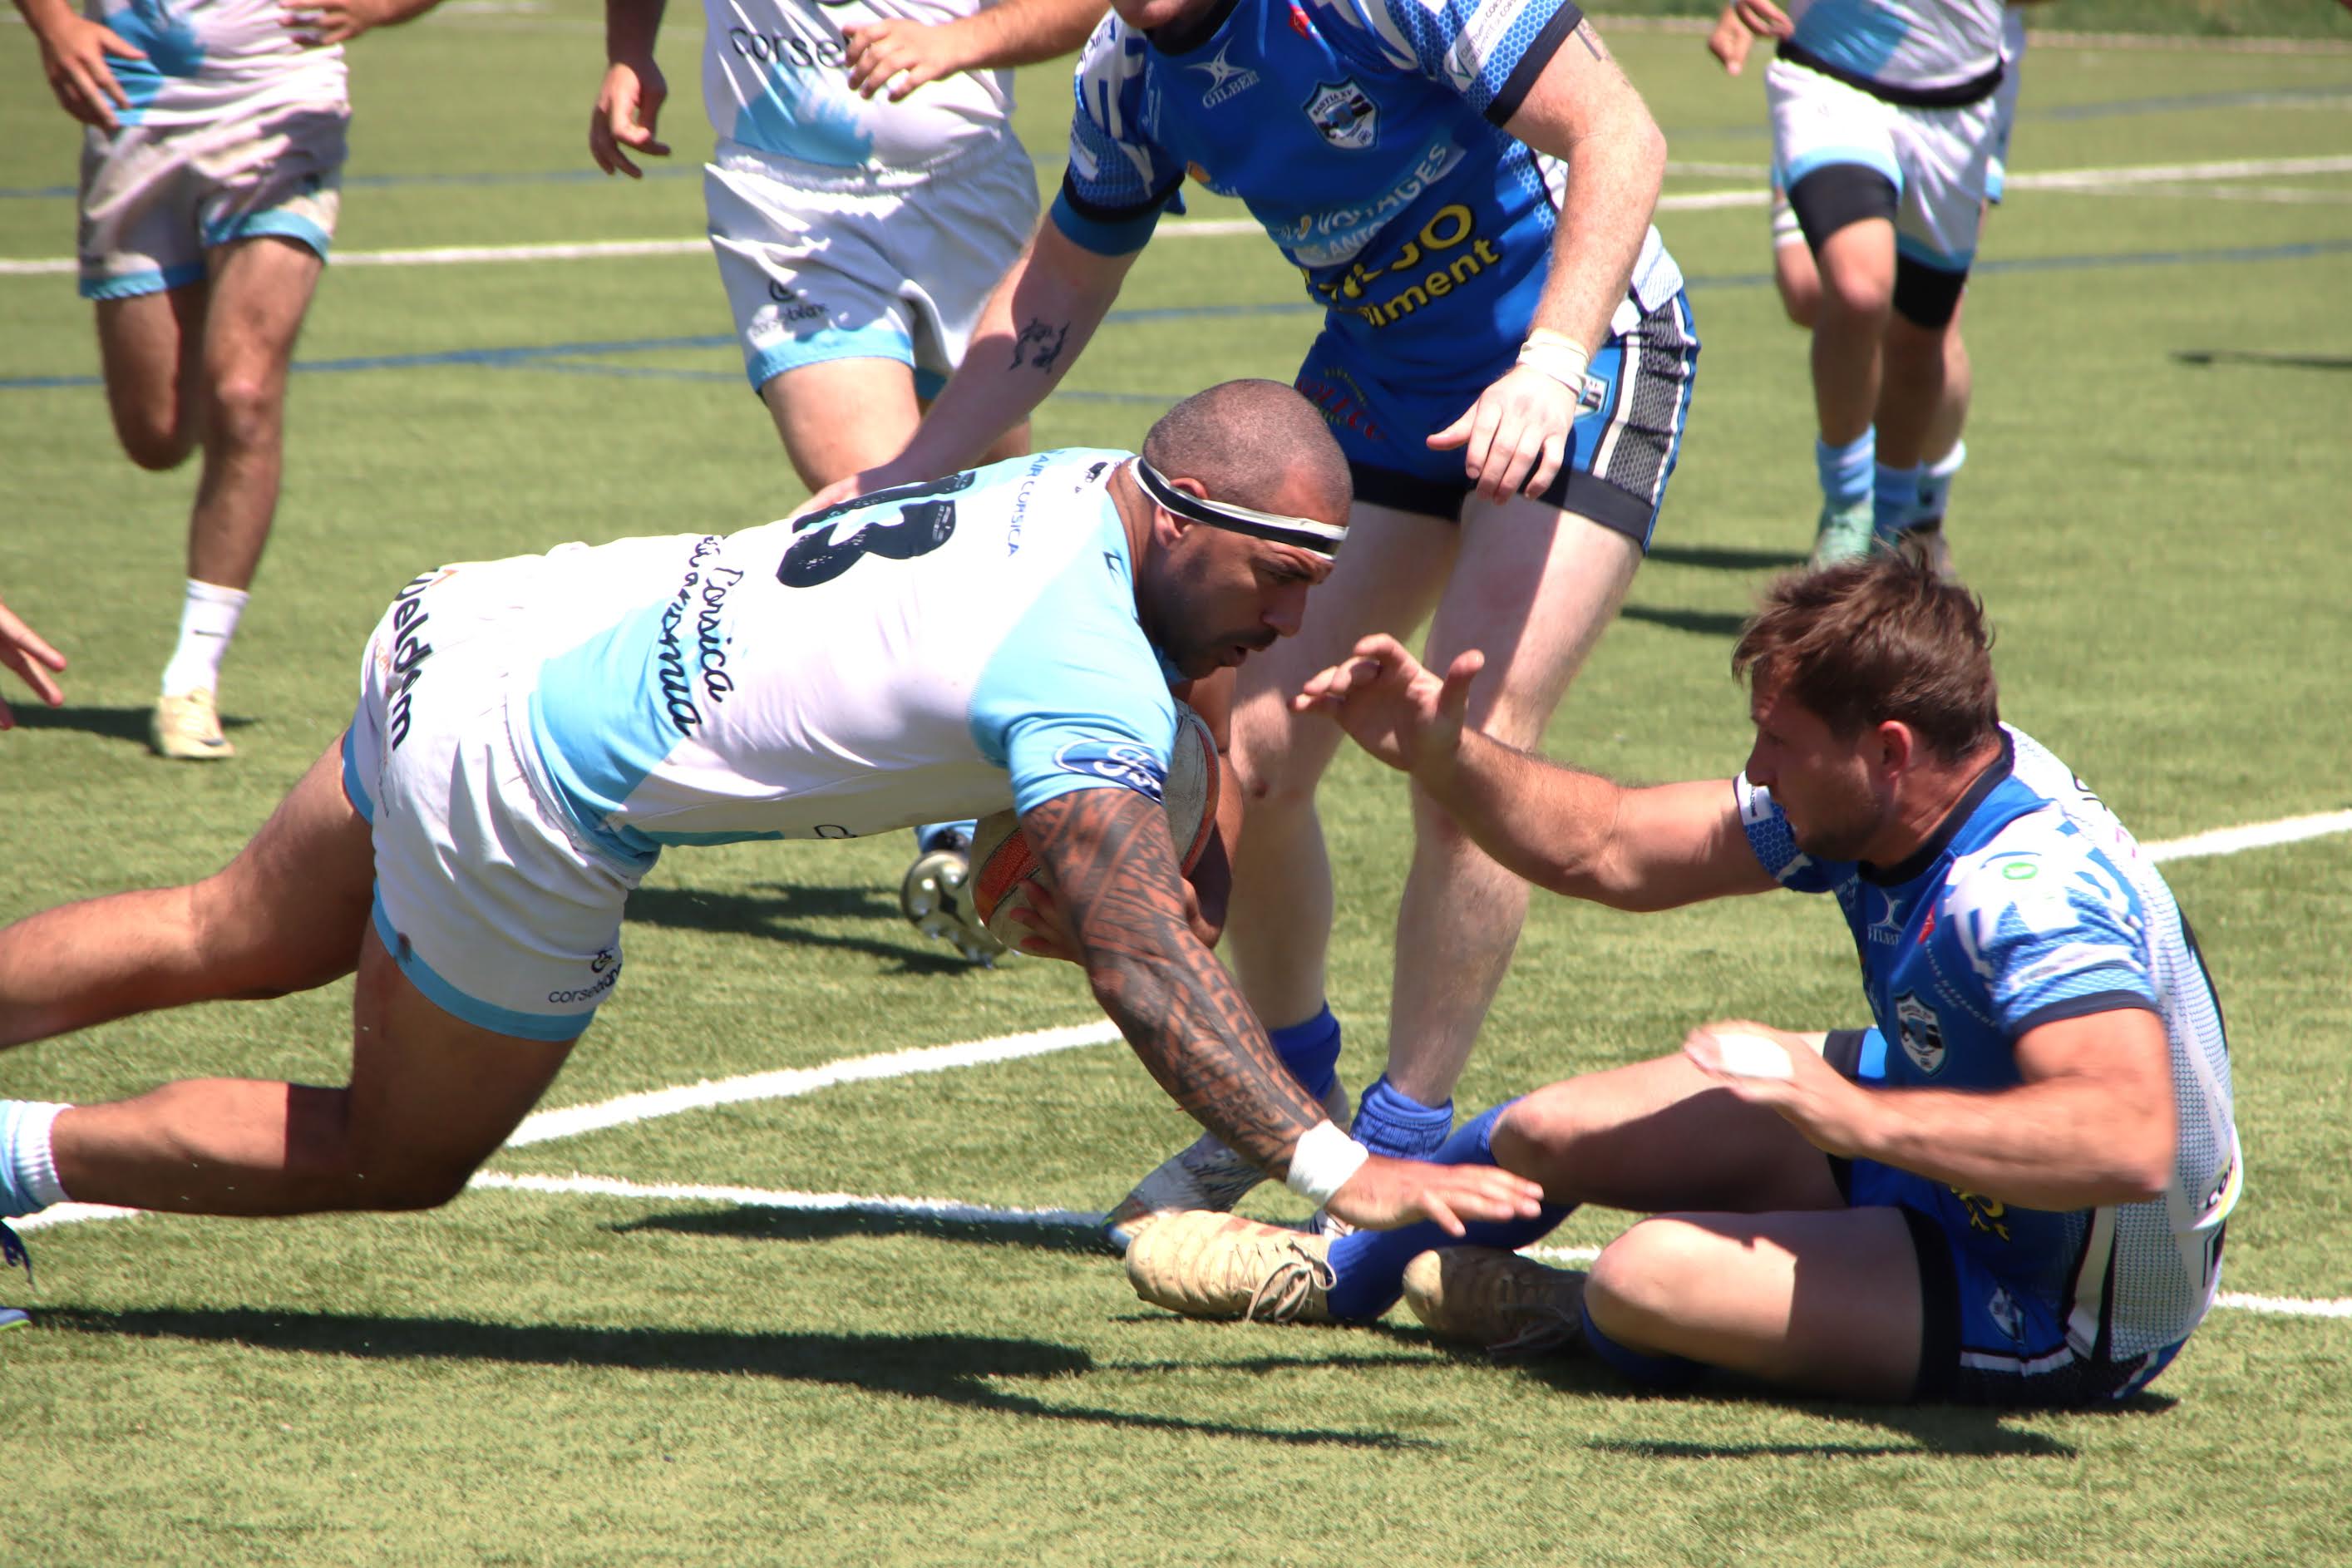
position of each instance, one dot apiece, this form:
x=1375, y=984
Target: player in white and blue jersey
x=1510, y=386
x=212, y=154
x=533, y=733
x=1797, y=279
x=2010, y=1189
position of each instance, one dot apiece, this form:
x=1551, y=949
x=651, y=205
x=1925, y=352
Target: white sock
x=207, y=622
x=31, y=1162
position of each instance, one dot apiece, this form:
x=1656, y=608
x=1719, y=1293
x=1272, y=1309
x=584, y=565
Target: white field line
x=2254, y=836
x=2165, y=179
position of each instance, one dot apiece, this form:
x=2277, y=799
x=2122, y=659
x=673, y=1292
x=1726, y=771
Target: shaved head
x=1255, y=444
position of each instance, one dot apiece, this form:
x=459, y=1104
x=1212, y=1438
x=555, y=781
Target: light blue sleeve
x=2053, y=931
x=1074, y=698
x=1767, y=827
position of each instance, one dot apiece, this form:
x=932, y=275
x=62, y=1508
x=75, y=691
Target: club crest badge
x=1346, y=117
x=1923, y=1035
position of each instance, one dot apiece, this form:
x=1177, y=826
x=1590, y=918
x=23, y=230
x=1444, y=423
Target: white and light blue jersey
x=1367, y=137
x=1906, y=51
x=772, y=80
x=929, y=652
x=213, y=60
x=2034, y=904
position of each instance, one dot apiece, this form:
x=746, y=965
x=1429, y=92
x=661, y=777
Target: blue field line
x=564, y=357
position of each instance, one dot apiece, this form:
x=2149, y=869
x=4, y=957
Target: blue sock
x=1389, y=1122
x=1659, y=1371
x=1847, y=471
x=1936, y=484
x=944, y=836
x=1369, y=1264
x=1311, y=1051
x=1895, y=500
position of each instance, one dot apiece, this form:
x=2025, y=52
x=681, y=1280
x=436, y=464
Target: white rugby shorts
x=481, y=896
x=824, y=264
x=1939, y=160
x=155, y=199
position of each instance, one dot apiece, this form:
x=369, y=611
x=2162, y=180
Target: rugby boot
x=1845, y=533
x=1206, y=1175
x=1494, y=1301
x=936, y=900
x=187, y=728
x=1223, y=1266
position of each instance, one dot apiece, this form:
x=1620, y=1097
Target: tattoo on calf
x=1115, y=869
x=1039, y=344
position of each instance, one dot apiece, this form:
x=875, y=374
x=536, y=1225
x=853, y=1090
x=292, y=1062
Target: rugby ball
x=1003, y=869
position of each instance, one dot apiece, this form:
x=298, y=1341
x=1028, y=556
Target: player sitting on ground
x=533, y=732
x=2010, y=1189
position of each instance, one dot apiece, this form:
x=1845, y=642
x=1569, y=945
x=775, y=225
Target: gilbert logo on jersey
x=1226, y=80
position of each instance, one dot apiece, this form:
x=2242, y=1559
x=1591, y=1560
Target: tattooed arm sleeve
x=1114, y=869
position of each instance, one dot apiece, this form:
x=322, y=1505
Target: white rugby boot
x=1495, y=1300
x=187, y=728
x=1223, y=1266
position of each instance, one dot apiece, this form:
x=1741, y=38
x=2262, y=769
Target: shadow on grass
x=2206, y=357
x=1722, y=558
x=1722, y=624
x=956, y=1368
x=778, y=912
x=1045, y=1234
x=108, y=724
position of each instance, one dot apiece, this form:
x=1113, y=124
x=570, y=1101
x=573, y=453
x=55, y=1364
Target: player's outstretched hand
x=1730, y=41
x=22, y=650
x=73, y=57
x=1515, y=438
x=627, y=109
x=1384, y=1194
x=1768, y=1067
x=901, y=55
x=1391, y=706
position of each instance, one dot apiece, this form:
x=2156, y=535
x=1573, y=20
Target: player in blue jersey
x=533, y=733
x=211, y=167
x=1506, y=356
x=2010, y=1188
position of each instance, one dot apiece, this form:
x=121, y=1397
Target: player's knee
x=1856, y=294
x=1639, y=1277
x=244, y=409
x=157, y=439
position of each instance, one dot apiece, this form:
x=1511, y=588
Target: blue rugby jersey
x=1367, y=137
x=2034, y=904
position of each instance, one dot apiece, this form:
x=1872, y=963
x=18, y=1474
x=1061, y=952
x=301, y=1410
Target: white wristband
x=1325, y=1159
x=1558, y=356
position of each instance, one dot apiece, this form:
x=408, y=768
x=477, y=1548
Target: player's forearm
x=630, y=29
x=1041, y=316
x=2061, y=1144
x=1547, y=824
x=1179, y=1011
x=44, y=16
x=1025, y=32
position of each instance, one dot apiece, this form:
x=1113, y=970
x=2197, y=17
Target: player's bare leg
x=150, y=350
x=1856, y=265
x=285, y=915
x=258, y=292
x=430, y=1098
x=807, y=404
x=1533, y=588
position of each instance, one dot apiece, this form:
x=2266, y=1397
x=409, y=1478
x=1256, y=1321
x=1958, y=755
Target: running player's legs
x=430, y=1098
x=285, y=915
x=807, y=404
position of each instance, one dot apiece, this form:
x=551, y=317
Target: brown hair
x=1879, y=638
